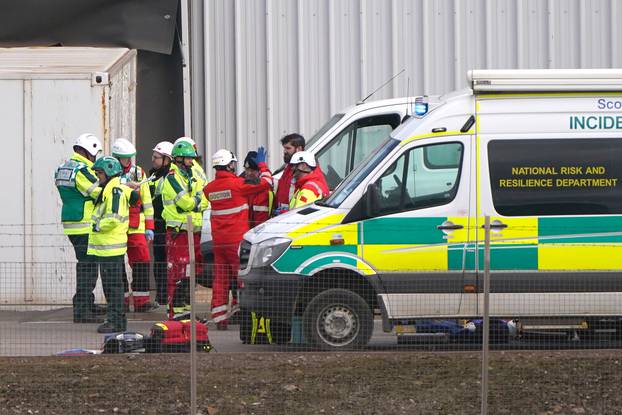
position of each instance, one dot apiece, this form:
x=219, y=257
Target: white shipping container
x=49, y=96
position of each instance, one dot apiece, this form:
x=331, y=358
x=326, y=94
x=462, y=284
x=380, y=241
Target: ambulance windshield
x=329, y=124
x=354, y=179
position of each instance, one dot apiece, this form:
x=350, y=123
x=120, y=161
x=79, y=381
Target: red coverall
x=260, y=204
x=285, y=189
x=137, y=248
x=228, y=195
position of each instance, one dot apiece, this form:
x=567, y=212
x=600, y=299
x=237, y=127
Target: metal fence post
x=486, y=316
x=193, y=323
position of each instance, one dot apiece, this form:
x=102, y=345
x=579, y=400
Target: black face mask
x=161, y=171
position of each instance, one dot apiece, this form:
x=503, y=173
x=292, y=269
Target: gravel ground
x=564, y=382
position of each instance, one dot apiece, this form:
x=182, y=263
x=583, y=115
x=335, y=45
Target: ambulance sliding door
x=417, y=237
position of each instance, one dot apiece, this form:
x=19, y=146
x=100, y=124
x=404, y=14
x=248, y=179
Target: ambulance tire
x=338, y=319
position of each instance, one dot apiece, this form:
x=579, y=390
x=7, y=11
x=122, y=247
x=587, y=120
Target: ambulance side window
x=411, y=183
x=558, y=176
x=353, y=144
x=334, y=157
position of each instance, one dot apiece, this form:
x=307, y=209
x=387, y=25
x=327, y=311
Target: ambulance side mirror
x=371, y=200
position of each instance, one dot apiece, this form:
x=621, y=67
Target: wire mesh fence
x=551, y=290
x=559, y=291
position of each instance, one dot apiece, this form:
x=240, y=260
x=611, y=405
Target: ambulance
x=354, y=131
x=401, y=238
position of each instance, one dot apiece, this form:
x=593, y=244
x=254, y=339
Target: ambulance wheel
x=338, y=319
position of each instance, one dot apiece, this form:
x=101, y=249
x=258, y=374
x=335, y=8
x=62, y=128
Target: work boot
x=88, y=319
x=109, y=327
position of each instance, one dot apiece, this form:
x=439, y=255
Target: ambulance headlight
x=269, y=250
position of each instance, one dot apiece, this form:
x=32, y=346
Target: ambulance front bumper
x=270, y=293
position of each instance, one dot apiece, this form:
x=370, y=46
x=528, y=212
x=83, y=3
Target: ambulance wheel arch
x=337, y=306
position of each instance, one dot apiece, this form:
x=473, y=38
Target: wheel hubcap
x=337, y=325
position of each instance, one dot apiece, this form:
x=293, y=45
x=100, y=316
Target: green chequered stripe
x=403, y=231
x=293, y=258
x=502, y=257
x=579, y=225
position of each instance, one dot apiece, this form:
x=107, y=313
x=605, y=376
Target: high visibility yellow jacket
x=309, y=188
x=199, y=174
x=182, y=194
x=111, y=220
x=78, y=188
x=141, y=216
x=303, y=197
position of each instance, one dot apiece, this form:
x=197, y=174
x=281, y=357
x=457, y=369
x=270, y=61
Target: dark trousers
x=86, y=277
x=111, y=269
x=140, y=278
x=159, y=266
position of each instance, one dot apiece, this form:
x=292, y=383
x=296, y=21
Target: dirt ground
x=573, y=382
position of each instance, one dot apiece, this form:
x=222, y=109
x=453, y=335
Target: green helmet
x=109, y=165
x=184, y=149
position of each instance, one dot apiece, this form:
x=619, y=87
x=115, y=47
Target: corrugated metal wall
x=277, y=66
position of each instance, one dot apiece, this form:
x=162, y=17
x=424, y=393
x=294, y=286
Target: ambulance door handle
x=449, y=226
x=496, y=225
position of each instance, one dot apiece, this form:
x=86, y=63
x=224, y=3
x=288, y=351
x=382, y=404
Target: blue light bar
x=421, y=108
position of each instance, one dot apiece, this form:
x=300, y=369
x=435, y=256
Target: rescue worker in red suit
x=141, y=226
x=309, y=182
x=259, y=204
x=259, y=211
x=292, y=143
x=228, y=195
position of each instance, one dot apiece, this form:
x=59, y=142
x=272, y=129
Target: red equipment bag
x=173, y=336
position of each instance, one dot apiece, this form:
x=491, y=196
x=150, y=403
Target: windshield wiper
x=322, y=203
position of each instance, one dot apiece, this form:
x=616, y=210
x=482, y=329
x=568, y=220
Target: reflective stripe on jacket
x=199, y=174
x=228, y=195
x=110, y=220
x=309, y=188
x=260, y=206
x=181, y=195
x=141, y=216
x=78, y=188
x=155, y=187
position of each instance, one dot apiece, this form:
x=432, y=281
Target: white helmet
x=187, y=140
x=223, y=158
x=123, y=148
x=303, y=157
x=165, y=148
x=89, y=142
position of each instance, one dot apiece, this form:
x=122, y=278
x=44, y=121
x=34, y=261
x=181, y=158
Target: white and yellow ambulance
x=539, y=151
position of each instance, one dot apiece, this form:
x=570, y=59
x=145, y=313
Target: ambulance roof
x=534, y=80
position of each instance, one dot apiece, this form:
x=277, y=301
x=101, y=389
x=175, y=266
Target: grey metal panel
x=250, y=74
x=277, y=66
x=220, y=75
x=281, y=68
